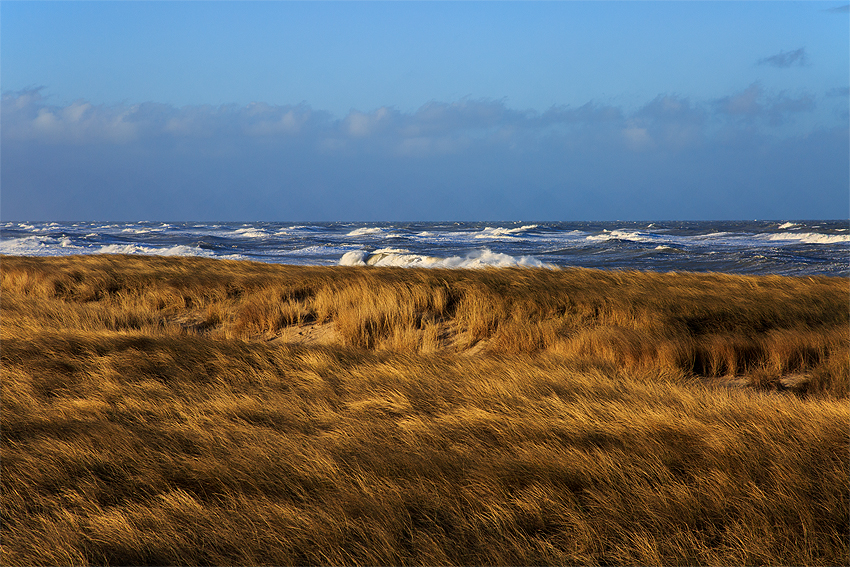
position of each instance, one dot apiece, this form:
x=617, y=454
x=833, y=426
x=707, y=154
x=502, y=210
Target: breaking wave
x=631, y=236
x=39, y=246
x=367, y=231
x=178, y=250
x=811, y=237
x=251, y=233
x=752, y=247
x=498, y=233
x=478, y=259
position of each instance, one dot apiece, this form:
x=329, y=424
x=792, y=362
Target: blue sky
x=424, y=111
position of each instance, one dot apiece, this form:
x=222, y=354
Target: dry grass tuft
x=165, y=411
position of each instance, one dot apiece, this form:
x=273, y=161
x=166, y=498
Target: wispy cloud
x=785, y=59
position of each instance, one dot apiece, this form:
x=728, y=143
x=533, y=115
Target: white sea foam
x=629, y=235
x=177, y=250
x=251, y=233
x=477, y=259
x=41, y=246
x=788, y=225
x=403, y=260
x=26, y=246
x=354, y=258
x=498, y=233
x=717, y=246
x=367, y=231
x=811, y=237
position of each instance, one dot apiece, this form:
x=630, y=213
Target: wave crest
x=496, y=233
x=477, y=259
x=367, y=231
x=811, y=237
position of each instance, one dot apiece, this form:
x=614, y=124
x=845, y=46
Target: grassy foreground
x=191, y=411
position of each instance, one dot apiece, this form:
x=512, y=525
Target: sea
x=784, y=247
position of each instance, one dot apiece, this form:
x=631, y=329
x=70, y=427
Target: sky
x=406, y=111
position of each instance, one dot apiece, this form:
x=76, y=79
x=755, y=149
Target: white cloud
x=46, y=121
x=637, y=139
x=360, y=125
x=25, y=116
x=75, y=111
x=437, y=128
x=467, y=159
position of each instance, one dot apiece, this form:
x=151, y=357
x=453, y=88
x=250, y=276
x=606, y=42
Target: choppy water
x=757, y=247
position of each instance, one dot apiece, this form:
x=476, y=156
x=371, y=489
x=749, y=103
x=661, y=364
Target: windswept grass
x=167, y=411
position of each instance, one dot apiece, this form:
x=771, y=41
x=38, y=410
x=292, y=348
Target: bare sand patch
x=310, y=334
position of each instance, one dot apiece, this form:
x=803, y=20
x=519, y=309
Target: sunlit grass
x=166, y=411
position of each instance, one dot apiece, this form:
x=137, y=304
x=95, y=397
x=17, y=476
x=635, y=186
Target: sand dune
x=193, y=411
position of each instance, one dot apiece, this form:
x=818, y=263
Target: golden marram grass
x=192, y=411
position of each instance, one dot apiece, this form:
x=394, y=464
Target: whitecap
x=391, y=251
x=177, y=250
x=251, y=233
x=811, y=237
x=366, y=231
x=26, y=246
x=403, y=260
x=498, y=233
x=631, y=236
x=354, y=258
x=478, y=259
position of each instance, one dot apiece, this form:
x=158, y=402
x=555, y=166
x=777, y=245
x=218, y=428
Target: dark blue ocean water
x=742, y=247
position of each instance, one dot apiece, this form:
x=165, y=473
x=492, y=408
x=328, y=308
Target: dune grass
x=165, y=411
